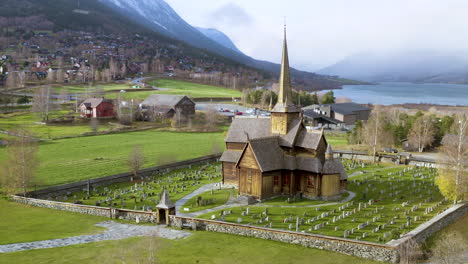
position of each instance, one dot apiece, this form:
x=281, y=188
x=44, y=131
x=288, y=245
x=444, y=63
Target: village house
x=273, y=156
x=166, y=106
x=97, y=108
x=337, y=114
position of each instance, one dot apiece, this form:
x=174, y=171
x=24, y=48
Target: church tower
x=285, y=110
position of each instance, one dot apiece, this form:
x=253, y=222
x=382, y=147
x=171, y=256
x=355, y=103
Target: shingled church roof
x=260, y=127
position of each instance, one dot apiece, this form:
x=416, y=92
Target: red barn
x=97, y=107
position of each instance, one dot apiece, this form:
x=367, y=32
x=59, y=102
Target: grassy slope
x=70, y=160
x=22, y=223
x=201, y=247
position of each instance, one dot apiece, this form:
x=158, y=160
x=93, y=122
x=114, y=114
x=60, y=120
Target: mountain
x=153, y=19
x=219, y=37
x=423, y=66
x=159, y=16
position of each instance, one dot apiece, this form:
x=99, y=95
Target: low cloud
x=231, y=14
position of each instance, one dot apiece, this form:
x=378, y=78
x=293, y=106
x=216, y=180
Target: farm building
x=97, y=108
x=165, y=105
x=272, y=156
x=337, y=114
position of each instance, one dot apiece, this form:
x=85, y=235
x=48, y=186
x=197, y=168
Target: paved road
x=232, y=109
x=115, y=231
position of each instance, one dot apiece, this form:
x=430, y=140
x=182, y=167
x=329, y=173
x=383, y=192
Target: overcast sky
x=321, y=32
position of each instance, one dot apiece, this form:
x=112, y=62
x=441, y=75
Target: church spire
x=285, y=103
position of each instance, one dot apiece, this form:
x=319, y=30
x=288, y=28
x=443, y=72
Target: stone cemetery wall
x=114, y=213
x=432, y=226
x=77, y=208
x=122, y=177
x=388, y=158
x=361, y=249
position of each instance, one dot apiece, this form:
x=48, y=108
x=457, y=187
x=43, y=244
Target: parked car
x=239, y=113
x=390, y=150
x=227, y=110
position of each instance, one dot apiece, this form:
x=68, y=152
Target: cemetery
x=389, y=202
x=142, y=193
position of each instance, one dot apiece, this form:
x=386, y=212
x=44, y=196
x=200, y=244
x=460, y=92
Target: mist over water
x=400, y=93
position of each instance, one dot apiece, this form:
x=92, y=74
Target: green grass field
x=71, y=160
x=201, y=247
x=78, y=89
x=178, y=87
x=219, y=197
x=22, y=223
x=31, y=122
x=336, y=140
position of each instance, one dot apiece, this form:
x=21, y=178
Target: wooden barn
x=166, y=105
x=272, y=156
x=97, y=108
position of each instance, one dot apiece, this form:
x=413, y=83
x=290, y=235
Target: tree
x=375, y=133
x=356, y=135
x=136, y=160
x=315, y=99
x=211, y=118
x=41, y=102
x=453, y=177
x=449, y=249
x=19, y=168
x=328, y=98
x=422, y=132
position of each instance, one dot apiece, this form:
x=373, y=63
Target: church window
x=275, y=180
x=285, y=179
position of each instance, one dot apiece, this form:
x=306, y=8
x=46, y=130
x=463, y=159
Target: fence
x=122, y=177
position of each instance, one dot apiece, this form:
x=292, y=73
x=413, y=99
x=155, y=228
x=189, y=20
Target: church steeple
x=285, y=111
x=285, y=101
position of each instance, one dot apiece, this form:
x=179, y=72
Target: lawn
x=71, y=160
x=22, y=223
x=31, y=122
x=209, y=200
x=387, y=199
x=201, y=247
x=190, y=89
x=336, y=140
x=144, y=193
x=77, y=89
x=283, y=201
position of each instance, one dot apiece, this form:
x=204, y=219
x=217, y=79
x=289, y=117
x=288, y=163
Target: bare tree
x=19, y=168
x=453, y=177
x=41, y=102
x=136, y=159
x=449, y=249
x=94, y=124
x=422, y=132
x=375, y=135
x=211, y=118
x=410, y=252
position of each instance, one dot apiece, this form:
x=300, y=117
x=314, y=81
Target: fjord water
x=399, y=93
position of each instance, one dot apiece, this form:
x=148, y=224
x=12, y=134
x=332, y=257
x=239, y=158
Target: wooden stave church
x=273, y=156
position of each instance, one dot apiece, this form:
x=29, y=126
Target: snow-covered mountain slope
x=219, y=37
x=160, y=17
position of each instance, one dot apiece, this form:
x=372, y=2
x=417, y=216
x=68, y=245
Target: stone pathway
x=115, y=231
x=182, y=201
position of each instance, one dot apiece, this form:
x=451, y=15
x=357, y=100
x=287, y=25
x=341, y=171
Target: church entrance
x=162, y=216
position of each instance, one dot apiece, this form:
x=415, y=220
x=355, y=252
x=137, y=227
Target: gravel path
x=115, y=231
